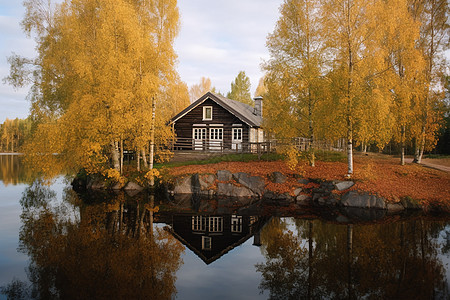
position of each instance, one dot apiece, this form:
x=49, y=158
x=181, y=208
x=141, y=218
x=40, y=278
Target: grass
x=244, y=157
x=328, y=156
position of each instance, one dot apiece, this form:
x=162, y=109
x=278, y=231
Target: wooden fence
x=302, y=144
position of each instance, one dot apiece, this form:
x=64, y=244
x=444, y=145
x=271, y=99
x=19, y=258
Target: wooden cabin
x=214, y=122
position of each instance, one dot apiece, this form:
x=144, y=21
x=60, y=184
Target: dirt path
x=442, y=164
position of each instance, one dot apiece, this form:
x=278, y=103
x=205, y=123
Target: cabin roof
x=242, y=111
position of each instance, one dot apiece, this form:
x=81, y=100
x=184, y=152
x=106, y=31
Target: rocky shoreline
x=308, y=192
x=251, y=189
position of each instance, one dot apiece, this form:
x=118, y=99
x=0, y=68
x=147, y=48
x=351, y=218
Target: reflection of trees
x=103, y=251
x=284, y=272
x=390, y=261
x=12, y=171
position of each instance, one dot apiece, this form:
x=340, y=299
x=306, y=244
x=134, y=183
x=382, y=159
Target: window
x=199, y=133
x=236, y=223
x=215, y=133
x=207, y=113
x=206, y=243
x=237, y=134
x=215, y=224
x=198, y=223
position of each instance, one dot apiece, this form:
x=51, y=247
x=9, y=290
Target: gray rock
x=394, y=207
x=98, y=185
x=206, y=181
x=224, y=175
x=278, y=177
x=183, y=185
x=303, y=181
x=297, y=191
x=117, y=186
x=254, y=183
x=301, y=198
x=343, y=185
x=409, y=203
x=354, y=199
x=133, y=186
x=230, y=190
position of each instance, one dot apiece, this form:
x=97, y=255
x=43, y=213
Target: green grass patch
x=332, y=156
x=244, y=157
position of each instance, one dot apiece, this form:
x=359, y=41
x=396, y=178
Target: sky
x=217, y=39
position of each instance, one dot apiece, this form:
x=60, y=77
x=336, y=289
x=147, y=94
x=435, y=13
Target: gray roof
x=242, y=111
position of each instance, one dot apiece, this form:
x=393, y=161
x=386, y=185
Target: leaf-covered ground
x=382, y=175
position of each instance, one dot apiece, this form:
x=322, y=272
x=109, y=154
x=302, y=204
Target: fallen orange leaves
x=384, y=177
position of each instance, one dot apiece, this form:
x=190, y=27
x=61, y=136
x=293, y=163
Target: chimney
x=258, y=106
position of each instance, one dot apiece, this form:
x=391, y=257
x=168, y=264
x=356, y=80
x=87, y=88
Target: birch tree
x=434, y=41
x=100, y=65
x=297, y=60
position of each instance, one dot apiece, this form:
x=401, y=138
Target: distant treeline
x=13, y=134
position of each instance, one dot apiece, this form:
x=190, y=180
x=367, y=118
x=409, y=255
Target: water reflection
x=107, y=245
x=321, y=260
x=12, y=171
x=101, y=251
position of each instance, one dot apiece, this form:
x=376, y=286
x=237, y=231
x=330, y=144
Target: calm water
x=56, y=244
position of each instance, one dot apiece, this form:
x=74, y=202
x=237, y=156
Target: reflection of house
x=210, y=237
x=214, y=122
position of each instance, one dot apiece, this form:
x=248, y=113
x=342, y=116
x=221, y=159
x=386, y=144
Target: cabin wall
x=183, y=126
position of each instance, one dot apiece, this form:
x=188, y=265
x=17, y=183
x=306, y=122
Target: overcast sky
x=217, y=40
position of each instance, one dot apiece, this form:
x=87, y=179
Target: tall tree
x=434, y=41
x=297, y=59
x=240, y=89
x=100, y=68
x=349, y=27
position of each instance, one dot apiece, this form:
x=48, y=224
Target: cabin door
x=236, y=139
x=198, y=138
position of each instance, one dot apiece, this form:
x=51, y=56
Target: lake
x=57, y=244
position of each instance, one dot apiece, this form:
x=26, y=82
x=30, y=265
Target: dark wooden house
x=212, y=236
x=214, y=122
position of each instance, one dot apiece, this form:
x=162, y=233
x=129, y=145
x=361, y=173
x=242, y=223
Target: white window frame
x=199, y=133
x=237, y=134
x=236, y=223
x=215, y=224
x=216, y=134
x=206, y=243
x=205, y=108
x=198, y=223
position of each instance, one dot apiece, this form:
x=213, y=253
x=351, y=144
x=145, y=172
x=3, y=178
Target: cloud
x=233, y=35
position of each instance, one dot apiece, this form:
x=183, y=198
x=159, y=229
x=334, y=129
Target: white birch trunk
x=152, y=141
x=115, y=155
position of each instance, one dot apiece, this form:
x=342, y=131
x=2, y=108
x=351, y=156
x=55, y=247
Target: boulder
x=255, y=183
x=183, y=185
x=302, y=199
x=297, y=191
x=278, y=177
x=133, y=186
x=224, y=175
x=409, y=203
x=354, y=199
x=97, y=185
x=303, y=181
x=230, y=190
x=394, y=207
x=343, y=185
x=206, y=181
